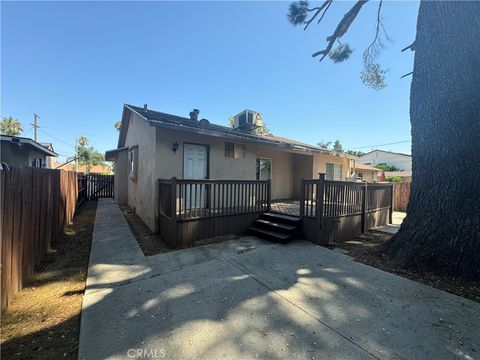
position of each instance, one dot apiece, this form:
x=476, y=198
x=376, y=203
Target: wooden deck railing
x=340, y=209
x=187, y=207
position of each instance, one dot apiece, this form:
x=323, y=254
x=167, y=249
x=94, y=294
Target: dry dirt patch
x=364, y=248
x=150, y=243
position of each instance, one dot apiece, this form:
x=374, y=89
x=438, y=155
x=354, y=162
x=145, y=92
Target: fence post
x=173, y=210
x=269, y=195
x=319, y=201
x=320, y=195
x=390, y=216
x=364, y=208
x=173, y=198
x=302, y=197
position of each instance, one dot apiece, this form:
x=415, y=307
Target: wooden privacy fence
x=401, y=195
x=99, y=186
x=190, y=210
x=338, y=210
x=35, y=206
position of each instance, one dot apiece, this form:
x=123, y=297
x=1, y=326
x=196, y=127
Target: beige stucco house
x=154, y=145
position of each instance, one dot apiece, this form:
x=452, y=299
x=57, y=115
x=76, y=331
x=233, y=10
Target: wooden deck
x=331, y=211
x=289, y=207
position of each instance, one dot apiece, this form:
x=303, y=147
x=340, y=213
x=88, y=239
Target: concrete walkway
x=247, y=299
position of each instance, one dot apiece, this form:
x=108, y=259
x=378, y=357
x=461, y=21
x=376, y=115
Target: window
x=229, y=149
x=233, y=150
x=334, y=172
x=133, y=162
x=37, y=162
x=264, y=169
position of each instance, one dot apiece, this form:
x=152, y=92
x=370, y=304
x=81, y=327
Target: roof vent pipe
x=194, y=114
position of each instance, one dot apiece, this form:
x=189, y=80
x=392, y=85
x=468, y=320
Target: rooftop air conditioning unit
x=247, y=120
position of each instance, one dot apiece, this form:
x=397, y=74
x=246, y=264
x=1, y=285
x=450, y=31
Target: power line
x=378, y=145
x=53, y=137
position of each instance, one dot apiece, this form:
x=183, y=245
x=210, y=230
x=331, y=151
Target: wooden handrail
x=208, y=181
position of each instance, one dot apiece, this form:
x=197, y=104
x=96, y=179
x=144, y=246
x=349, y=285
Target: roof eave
x=207, y=132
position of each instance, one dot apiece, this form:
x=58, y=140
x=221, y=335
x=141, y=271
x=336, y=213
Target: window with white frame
x=334, y=172
x=133, y=162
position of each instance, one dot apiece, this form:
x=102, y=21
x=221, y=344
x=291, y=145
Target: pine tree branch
x=318, y=10
x=372, y=50
x=342, y=28
x=410, y=73
x=411, y=47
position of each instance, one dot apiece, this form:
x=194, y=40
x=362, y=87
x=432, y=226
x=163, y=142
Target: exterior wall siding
x=320, y=164
x=170, y=164
x=302, y=169
x=282, y=171
x=121, y=178
x=141, y=193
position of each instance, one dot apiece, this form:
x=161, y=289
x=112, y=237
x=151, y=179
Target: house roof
x=23, y=141
x=110, y=155
x=49, y=146
x=360, y=166
x=405, y=173
x=202, y=126
x=387, y=152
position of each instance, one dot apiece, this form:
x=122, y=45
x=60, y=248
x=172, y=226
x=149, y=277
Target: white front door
x=195, y=161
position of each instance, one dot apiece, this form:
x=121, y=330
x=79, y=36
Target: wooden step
x=271, y=235
x=280, y=218
x=274, y=225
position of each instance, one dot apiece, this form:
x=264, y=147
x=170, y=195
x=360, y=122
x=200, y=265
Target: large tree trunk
x=442, y=229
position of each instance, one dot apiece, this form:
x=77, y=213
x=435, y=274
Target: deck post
x=390, y=216
x=173, y=209
x=364, y=209
x=269, y=195
x=319, y=198
x=302, y=198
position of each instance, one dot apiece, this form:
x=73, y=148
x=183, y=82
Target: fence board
x=401, y=195
x=35, y=205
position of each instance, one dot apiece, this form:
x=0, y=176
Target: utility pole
x=35, y=126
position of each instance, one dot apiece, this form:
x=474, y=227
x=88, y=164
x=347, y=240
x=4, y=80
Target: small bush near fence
x=35, y=206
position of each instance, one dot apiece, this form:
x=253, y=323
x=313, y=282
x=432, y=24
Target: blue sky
x=75, y=64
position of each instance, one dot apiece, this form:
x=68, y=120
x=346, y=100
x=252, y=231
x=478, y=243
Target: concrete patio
x=247, y=299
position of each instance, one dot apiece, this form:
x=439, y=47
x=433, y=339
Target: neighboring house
x=399, y=160
x=367, y=173
x=17, y=150
x=154, y=145
x=50, y=160
x=94, y=169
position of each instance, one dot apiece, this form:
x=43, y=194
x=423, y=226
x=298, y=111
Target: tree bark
x=441, y=232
